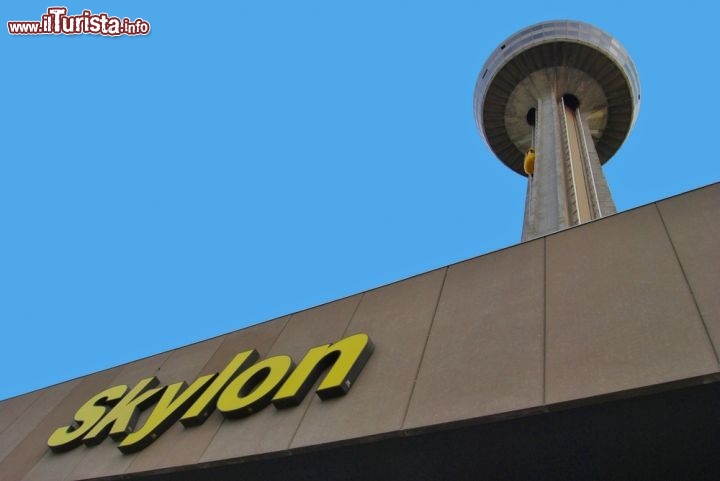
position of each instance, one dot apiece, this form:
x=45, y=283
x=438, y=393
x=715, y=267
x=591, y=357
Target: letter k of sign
x=122, y=418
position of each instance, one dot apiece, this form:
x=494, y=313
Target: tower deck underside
x=593, y=63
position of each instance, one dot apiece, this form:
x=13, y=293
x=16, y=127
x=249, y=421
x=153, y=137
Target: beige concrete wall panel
x=132, y=372
x=181, y=446
x=105, y=458
x=186, y=363
x=261, y=337
x=11, y=409
x=619, y=312
x=271, y=429
x=693, y=222
x=397, y=318
x=59, y=406
x=33, y=415
x=485, y=351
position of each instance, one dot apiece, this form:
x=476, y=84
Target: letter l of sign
x=169, y=408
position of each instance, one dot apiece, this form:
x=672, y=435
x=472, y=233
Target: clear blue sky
x=257, y=158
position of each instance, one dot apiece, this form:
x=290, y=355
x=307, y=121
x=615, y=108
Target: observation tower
x=554, y=102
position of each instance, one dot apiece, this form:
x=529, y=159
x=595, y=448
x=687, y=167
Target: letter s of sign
x=68, y=437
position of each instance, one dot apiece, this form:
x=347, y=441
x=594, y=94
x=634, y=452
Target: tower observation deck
x=554, y=102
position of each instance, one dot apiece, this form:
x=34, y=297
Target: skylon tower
x=554, y=102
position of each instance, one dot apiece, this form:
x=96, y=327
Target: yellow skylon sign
x=243, y=387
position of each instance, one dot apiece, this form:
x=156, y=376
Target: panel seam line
x=687, y=282
x=427, y=340
x=307, y=408
x=545, y=316
x=222, y=421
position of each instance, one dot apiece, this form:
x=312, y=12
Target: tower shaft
x=568, y=186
